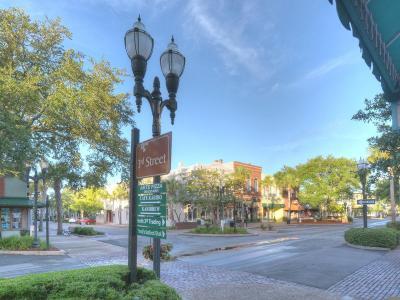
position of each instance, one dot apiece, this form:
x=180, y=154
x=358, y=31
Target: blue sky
x=272, y=83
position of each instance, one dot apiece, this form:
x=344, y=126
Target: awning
x=273, y=205
x=376, y=24
x=19, y=202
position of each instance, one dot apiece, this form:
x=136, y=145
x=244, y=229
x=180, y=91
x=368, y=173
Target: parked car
x=71, y=220
x=87, y=221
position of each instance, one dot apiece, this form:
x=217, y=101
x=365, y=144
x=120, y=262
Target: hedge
x=373, y=237
x=217, y=230
x=106, y=282
x=86, y=231
x=394, y=225
x=19, y=243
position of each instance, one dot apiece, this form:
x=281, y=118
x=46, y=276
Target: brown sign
x=153, y=157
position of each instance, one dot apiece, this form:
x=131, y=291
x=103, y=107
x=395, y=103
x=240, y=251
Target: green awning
x=273, y=205
x=376, y=24
x=19, y=202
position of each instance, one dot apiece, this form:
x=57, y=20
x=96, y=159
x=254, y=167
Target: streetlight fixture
x=139, y=47
x=44, y=166
x=363, y=170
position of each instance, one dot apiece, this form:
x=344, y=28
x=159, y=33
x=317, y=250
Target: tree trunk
x=290, y=207
x=392, y=199
x=57, y=192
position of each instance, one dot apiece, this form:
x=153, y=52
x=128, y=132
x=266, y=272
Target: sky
x=270, y=83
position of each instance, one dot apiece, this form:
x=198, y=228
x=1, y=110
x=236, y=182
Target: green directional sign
x=155, y=188
x=152, y=221
x=159, y=199
x=152, y=210
x=153, y=232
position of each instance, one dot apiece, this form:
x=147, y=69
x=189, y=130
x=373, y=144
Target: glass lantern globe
x=138, y=42
x=172, y=61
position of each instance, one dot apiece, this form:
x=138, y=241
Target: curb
x=367, y=247
x=30, y=252
x=219, y=235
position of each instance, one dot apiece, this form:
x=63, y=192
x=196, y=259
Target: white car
x=72, y=220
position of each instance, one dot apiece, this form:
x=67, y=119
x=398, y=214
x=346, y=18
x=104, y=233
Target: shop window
x=256, y=185
x=5, y=218
x=248, y=185
x=16, y=218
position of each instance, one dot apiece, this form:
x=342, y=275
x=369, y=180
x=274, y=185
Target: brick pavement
x=377, y=280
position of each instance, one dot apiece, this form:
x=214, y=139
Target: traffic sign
x=153, y=232
x=154, y=221
x=155, y=188
x=151, y=210
x=366, y=201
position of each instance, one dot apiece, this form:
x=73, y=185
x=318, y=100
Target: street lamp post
x=363, y=169
x=221, y=189
x=36, y=179
x=139, y=47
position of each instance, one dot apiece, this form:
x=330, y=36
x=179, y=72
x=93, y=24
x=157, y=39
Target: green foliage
x=217, y=230
x=394, y=225
x=109, y=282
x=373, y=237
x=164, y=253
x=19, y=243
x=86, y=231
x=88, y=201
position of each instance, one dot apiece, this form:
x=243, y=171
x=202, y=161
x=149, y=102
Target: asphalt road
x=317, y=257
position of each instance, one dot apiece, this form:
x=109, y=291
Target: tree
x=55, y=102
x=176, y=196
x=288, y=178
x=378, y=112
x=88, y=201
x=266, y=184
x=324, y=181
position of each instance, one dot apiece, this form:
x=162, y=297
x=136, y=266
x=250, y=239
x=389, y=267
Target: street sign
x=160, y=199
x=155, y=188
x=153, y=221
x=151, y=210
x=153, y=157
x=366, y=201
x=153, y=232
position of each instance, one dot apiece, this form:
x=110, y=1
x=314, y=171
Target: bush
x=86, y=231
x=107, y=282
x=217, y=230
x=394, y=225
x=265, y=226
x=164, y=253
x=19, y=243
x=373, y=237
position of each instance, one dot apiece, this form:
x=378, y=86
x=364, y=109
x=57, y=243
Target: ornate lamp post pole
x=36, y=178
x=363, y=170
x=139, y=47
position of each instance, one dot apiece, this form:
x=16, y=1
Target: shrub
x=394, y=225
x=265, y=226
x=164, y=253
x=217, y=230
x=373, y=237
x=85, y=231
x=107, y=282
x=19, y=243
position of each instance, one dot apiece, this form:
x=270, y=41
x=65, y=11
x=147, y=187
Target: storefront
x=15, y=207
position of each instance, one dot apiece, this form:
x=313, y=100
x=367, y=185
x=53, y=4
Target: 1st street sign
x=366, y=201
x=152, y=221
x=155, y=188
x=153, y=157
x=151, y=210
x=160, y=199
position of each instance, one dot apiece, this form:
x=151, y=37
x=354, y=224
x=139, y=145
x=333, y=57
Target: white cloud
x=227, y=39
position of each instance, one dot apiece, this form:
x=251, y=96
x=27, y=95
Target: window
x=256, y=185
x=16, y=218
x=5, y=218
x=248, y=185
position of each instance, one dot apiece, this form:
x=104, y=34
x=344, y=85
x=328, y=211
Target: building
x=250, y=209
x=272, y=201
x=15, y=207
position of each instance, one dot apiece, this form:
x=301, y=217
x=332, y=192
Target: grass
x=106, y=282
x=393, y=225
x=86, y=231
x=217, y=230
x=373, y=237
x=19, y=243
